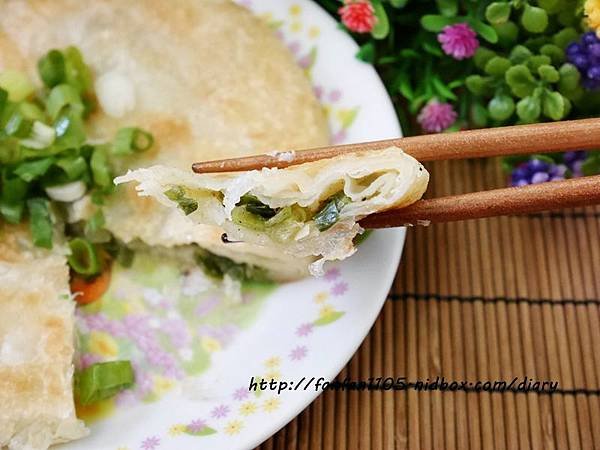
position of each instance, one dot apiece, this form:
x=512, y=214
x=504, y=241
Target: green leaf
x=550, y=6
x=366, y=52
x=206, y=431
x=432, y=49
x=554, y=52
x=553, y=105
x=436, y=23
x=479, y=115
x=591, y=166
x=501, y=107
x=497, y=12
x=328, y=318
x=479, y=85
x=398, y=3
x=382, y=25
x=520, y=80
x=40, y=222
x=565, y=36
x=508, y=33
x=497, y=66
x=448, y=8
x=403, y=85
x=569, y=78
x=534, y=62
x=442, y=89
x=529, y=109
x=484, y=30
x=534, y=19
x=519, y=54
x=482, y=56
x=548, y=73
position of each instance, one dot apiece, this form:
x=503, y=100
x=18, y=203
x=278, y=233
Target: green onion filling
x=84, y=257
x=217, y=266
x=329, y=214
x=283, y=223
x=103, y=380
x=178, y=195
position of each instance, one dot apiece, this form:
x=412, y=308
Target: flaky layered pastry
x=36, y=345
x=305, y=210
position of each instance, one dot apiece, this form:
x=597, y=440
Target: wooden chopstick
x=497, y=202
x=488, y=142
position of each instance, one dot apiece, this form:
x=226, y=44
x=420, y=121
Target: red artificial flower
x=358, y=15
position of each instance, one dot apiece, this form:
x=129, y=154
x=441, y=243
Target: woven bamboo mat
x=489, y=299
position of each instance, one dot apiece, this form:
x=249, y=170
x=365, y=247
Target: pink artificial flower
x=436, y=116
x=459, y=41
x=358, y=15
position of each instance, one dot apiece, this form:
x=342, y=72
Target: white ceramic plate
x=195, y=353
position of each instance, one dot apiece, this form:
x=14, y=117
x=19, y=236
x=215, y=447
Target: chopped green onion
x=77, y=72
x=330, y=213
x=125, y=256
x=12, y=212
x=62, y=96
x=3, y=100
x=131, y=140
x=40, y=222
x=103, y=380
x=51, y=68
x=178, y=195
x=83, y=258
x=68, y=192
x=17, y=84
x=255, y=206
x=18, y=125
x=32, y=111
x=101, y=172
x=70, y=130
x=42, y=136
x=29, y=171
x=218, y=266
x=73, y=167
x=10, y=151
x=283, y=215
x=14, y=189
x=241, y=216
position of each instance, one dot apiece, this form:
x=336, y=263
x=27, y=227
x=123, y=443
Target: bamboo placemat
x=488, y=299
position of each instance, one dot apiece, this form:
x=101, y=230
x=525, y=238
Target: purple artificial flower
x=436, y=117
x=459, y=41
x=537, y=171
x=574, y=160
x=585, y=55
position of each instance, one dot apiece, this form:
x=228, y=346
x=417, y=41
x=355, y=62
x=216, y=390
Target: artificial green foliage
x=518, y=75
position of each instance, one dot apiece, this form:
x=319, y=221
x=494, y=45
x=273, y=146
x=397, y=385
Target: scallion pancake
x=205, y=77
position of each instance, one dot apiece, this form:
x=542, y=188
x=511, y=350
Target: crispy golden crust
x=36, y=345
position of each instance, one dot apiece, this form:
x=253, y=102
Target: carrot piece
x=90, y=290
